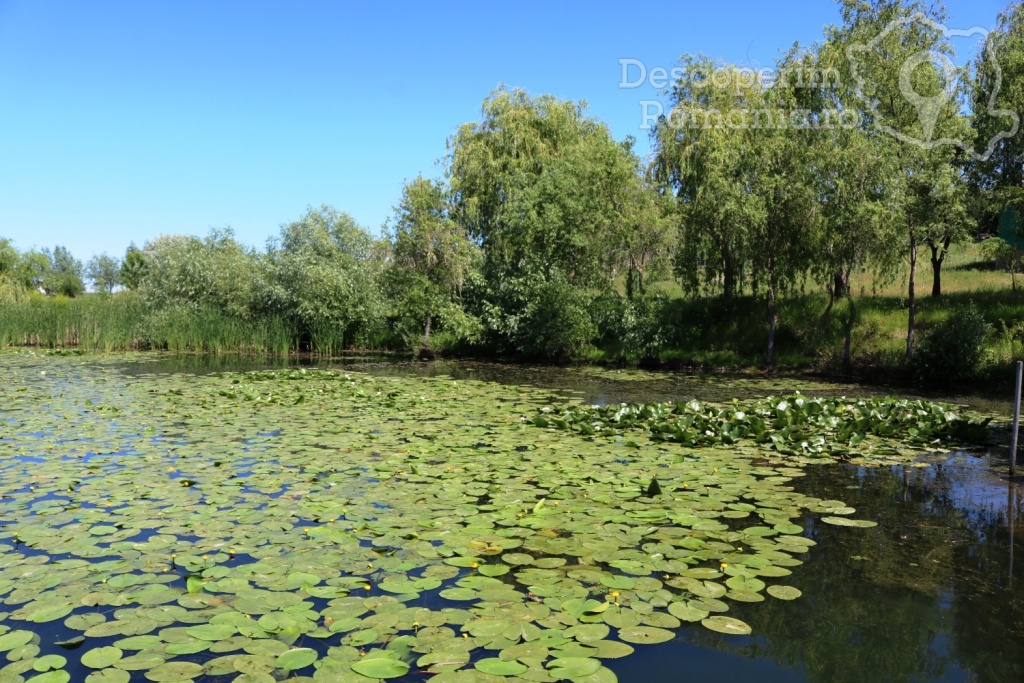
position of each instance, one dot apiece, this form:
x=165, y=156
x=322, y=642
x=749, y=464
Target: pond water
x=189, y=525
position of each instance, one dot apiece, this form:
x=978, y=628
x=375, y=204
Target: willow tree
x=908, y=95
x=540, y=186
x=431, y=256
x=322, y=273
x=699, y=155
x=739, y=164
x=998, y=104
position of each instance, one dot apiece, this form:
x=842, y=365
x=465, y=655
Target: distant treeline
x=544, y=234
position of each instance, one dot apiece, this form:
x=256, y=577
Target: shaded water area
x=935, y=592
x=590, y=384
x=932, y=593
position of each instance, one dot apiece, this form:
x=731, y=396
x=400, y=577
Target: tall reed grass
x=123, y=322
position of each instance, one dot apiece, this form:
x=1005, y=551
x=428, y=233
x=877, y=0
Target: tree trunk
x=912, y=310
x=728, y=275
x=938, y=256
x=840, y=284
x=851, y=317
x=773, y=322
x=426, y=331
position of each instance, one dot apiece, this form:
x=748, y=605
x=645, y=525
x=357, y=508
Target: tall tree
x=699, y=156
x=64, y=275
x=431, y=257
x=105, y=272
x=644, y=244
x=322, y=273
x=743, y=181
x=539, y=185
x=998, y=94
x=134, y=268
x=907, y=89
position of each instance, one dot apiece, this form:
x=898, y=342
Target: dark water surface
x=933, y=593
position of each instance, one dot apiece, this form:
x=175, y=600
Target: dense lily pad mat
x=864, y=430
x=318, y=526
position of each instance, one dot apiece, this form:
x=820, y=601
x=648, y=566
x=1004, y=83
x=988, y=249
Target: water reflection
x=930, y=594
x=589, y=384
x=927, y=595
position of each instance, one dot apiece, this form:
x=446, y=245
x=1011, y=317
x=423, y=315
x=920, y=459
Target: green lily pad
x=500, y=667
x=573, y=668
x=101, y=657
x=845, y=521
x=645, y=635
x=60, y=676
x=381, y=668
x=727, y=625
x=297, y=658
x=49, y=662
x=784, y=592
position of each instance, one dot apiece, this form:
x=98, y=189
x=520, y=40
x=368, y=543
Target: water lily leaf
x=784, y=592
x=48, y=662
x=573, y=668
x=726, y=625
x=499, y=667
x=618, y=582
x=381, y=668
x=211, y=631
x=744, y=583
x=101, y=657
x=645, y=635
x=13, y=639
x=297, y=658
x=172, y=672
x=686, y=611
x=108, y=676
x=611, y=649
x=51, y=677
x=844, y=521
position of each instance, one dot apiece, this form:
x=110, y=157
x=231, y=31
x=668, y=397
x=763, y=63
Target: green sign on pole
x=1010, y=227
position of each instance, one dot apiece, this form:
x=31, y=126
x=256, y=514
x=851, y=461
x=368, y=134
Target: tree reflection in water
x=927, y=595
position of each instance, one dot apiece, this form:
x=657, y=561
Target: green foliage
x=999, y=87
x=323, y=275
x=632, y=329
x=550, y=198
x=64, y=274
x=955, y=350
x=105, y=273
x=94, y=323
x=134, y=268
x=431, y=256
x=539, y=319
x=792, y=425
x=215, y=272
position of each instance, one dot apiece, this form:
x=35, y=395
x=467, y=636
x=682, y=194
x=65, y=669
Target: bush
x=953, y=351
x=631, y=329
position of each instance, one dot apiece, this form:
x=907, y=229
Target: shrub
x=631, y=328
x=953, y=351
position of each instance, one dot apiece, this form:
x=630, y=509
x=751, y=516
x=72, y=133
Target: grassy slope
x=710, y=332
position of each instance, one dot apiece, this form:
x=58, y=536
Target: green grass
x=707, y=331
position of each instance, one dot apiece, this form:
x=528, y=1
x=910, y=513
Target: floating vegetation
x=861, y=429
x=322, y=526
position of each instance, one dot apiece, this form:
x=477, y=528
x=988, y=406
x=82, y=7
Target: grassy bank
x=682, y=331
x=711, y=332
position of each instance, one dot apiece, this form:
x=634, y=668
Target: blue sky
x=121, y=121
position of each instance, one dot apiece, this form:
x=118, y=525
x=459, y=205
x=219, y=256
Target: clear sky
x=123, y=120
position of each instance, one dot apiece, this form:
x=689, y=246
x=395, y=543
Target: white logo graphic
x=929, y=106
